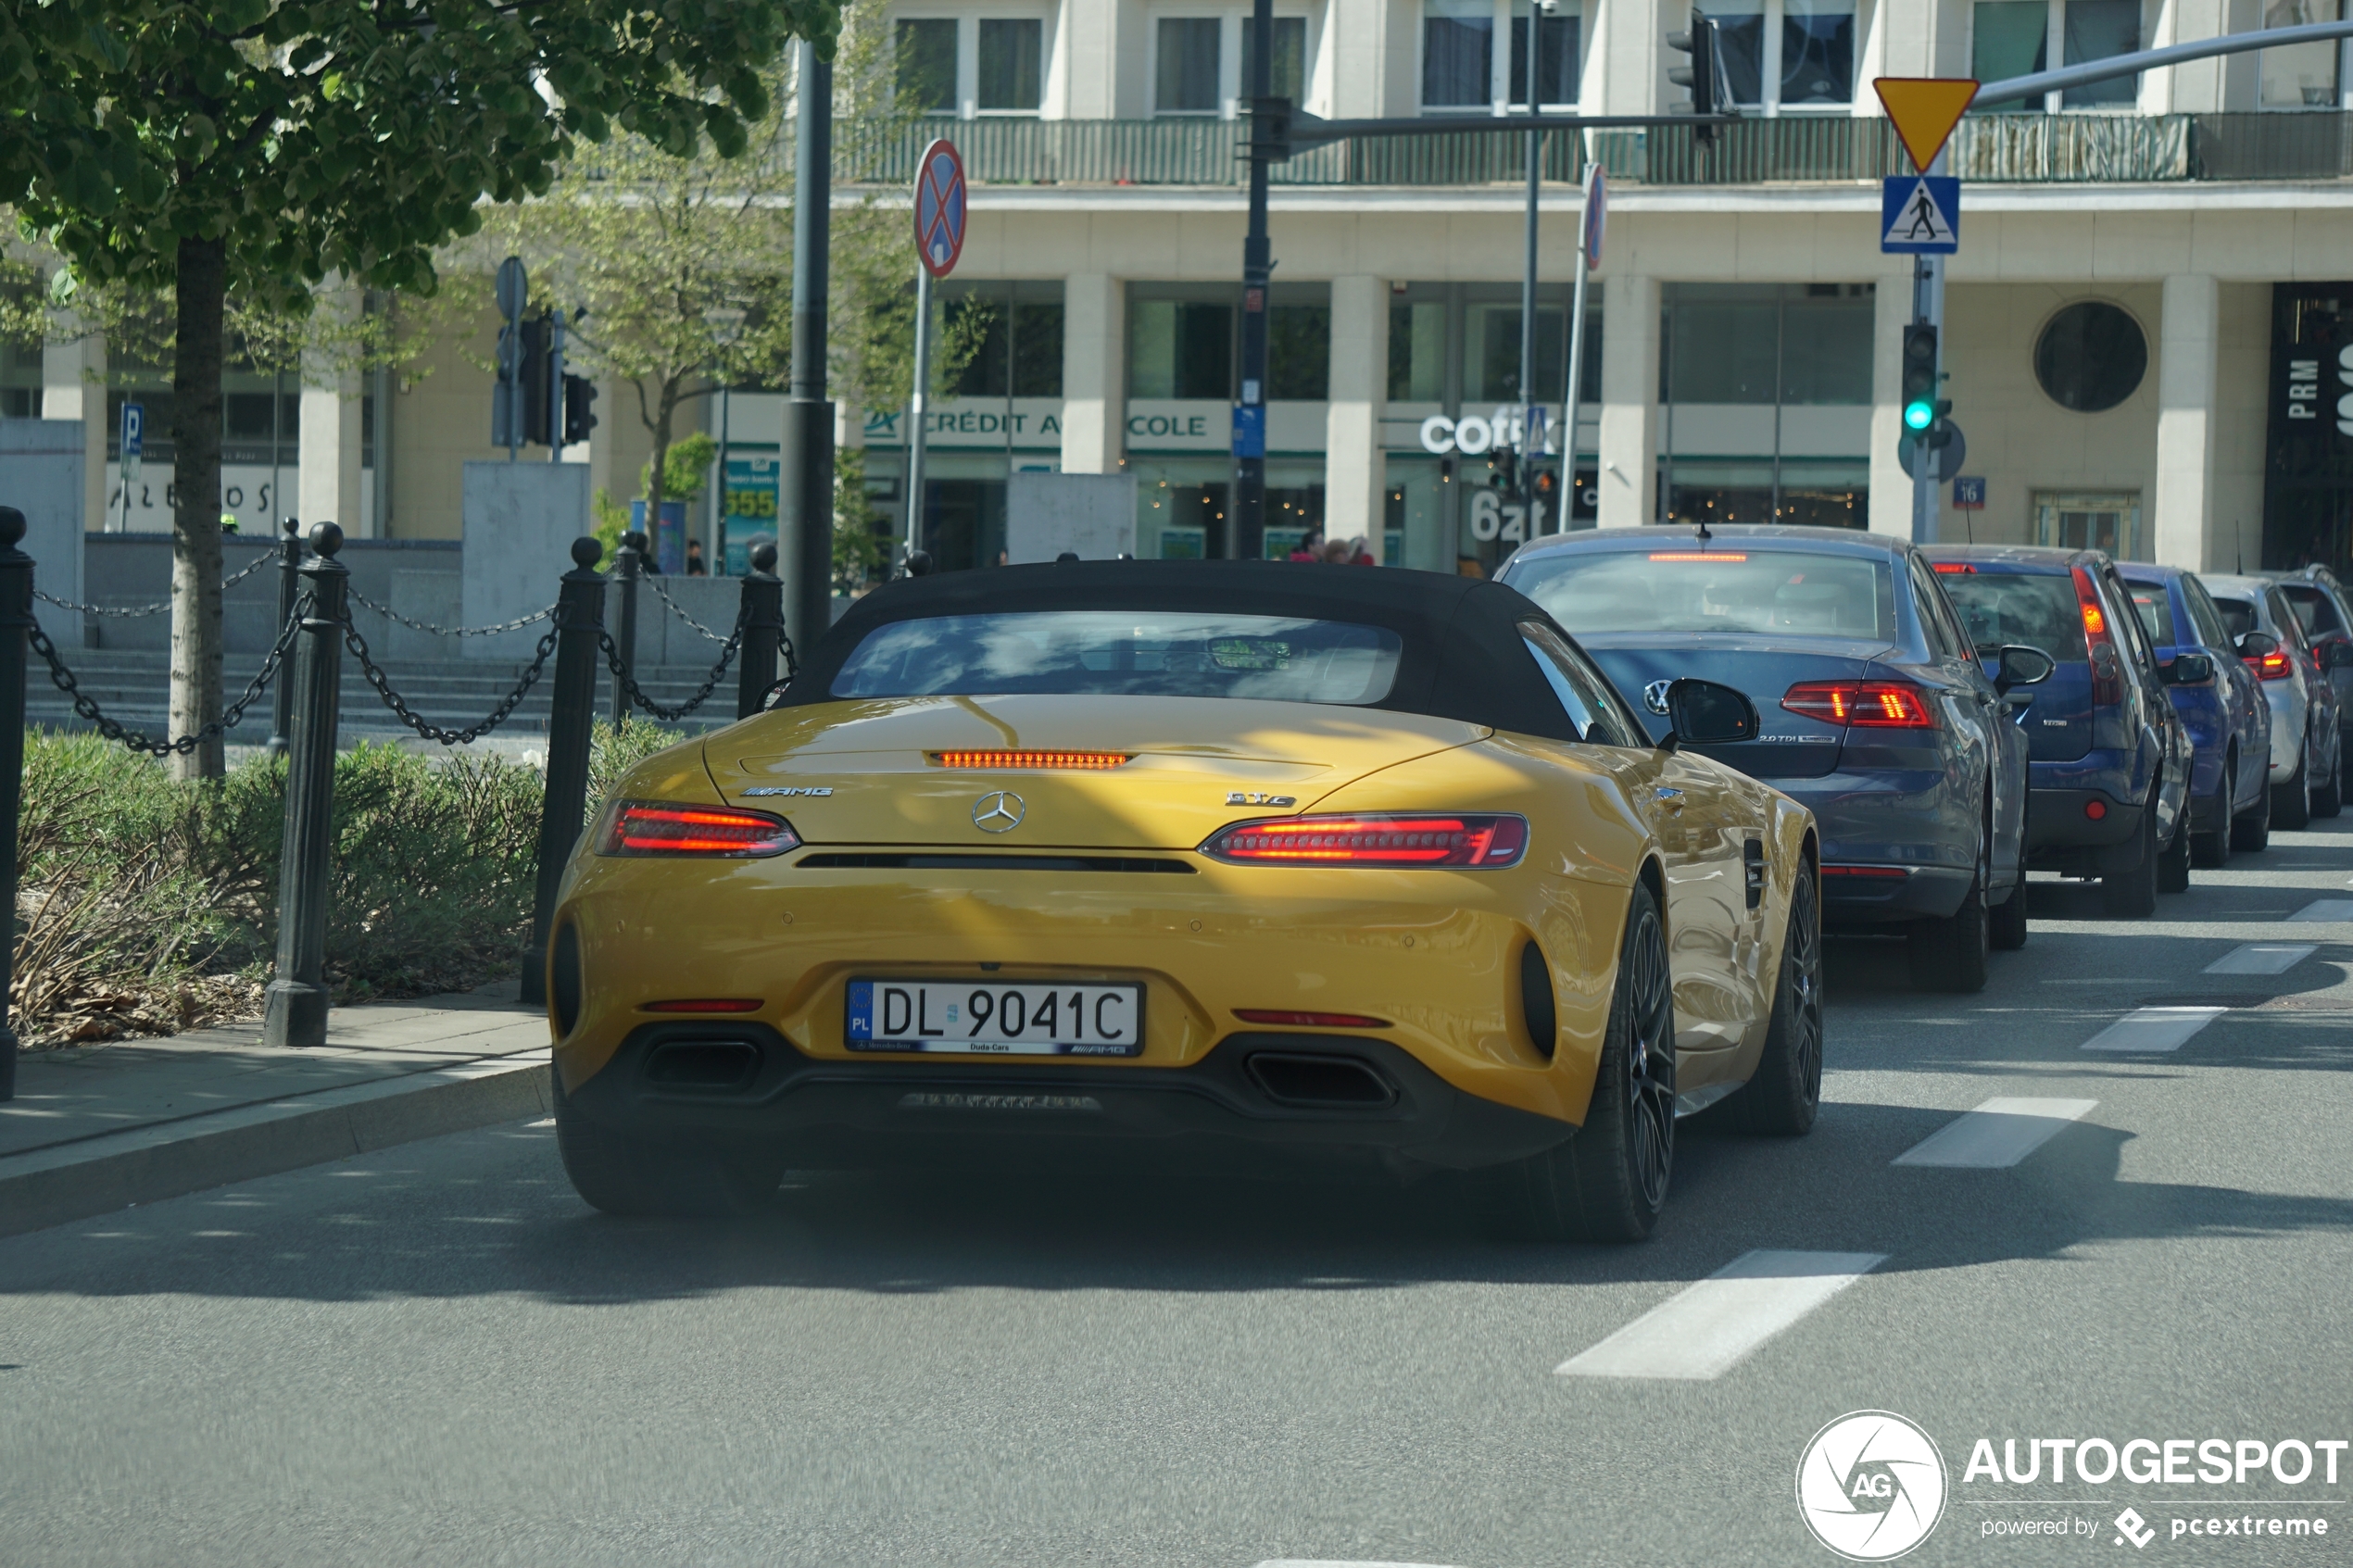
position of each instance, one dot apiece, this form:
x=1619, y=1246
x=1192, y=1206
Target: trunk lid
x=876, y=762
x=1789, y=746
x=2002, y=603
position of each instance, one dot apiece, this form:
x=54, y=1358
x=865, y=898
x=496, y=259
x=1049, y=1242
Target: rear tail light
x=2099, y=644
x=1866, y=704
x=2276, y=665
x=654, y=827
x=1484, y=842
x=1088, y=761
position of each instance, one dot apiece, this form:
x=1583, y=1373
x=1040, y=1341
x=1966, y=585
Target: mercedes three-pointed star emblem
x=998, y=811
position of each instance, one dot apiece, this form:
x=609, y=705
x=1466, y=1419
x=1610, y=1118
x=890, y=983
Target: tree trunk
x=661, y=463
x=196, y=512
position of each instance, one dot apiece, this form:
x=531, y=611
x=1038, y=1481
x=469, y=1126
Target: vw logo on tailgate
x=1654, y=695
x=998, y=811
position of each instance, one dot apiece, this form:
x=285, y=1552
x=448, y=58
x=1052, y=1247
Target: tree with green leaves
x=262, y=148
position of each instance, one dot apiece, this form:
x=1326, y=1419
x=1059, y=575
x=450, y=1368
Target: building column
x=1094, y=373
x=328, y=428
x=1628, y=475
x=1891, y=497
x=2181, y=519
x=1354, y=478
x=73, y=386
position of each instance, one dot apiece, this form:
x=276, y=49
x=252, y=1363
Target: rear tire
x=2251, y=829
x=1950, y=954
x=1782, y=1096
x=1609, y=1182
x=630, y=1176
x=2006, y=922
x=2173, y=866
x=2210, y=850
x=2132, y=895
x=2329, y=800
x=2291, y=807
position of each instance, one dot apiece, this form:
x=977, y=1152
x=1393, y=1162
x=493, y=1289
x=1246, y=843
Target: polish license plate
x=995, y=1018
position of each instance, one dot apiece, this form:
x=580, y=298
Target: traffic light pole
x=1248, y=535
x=1928, y=309
x=805, y=498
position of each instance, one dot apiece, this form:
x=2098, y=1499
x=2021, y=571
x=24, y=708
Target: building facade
x=2149, y=332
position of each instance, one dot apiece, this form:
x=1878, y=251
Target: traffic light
x=579, y=393
x=1940, y=429
x=1920, y=407
x=531, y=371
x=1704, y=78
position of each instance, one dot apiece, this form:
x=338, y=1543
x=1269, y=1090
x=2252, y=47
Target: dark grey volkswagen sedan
x=1878, y=715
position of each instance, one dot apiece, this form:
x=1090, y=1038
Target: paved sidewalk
x=94, y=1128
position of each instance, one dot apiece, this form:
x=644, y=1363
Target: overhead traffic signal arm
x=1704, y=78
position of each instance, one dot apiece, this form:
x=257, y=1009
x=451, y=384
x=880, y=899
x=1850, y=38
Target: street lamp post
x=806, y=501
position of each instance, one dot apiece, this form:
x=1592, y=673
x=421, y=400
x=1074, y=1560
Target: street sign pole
x=1246, y=537
x=941, y=204
x=1588, y=256
x=134, y=445
x=805, y=475
x=918, y=413
x=1530, y=447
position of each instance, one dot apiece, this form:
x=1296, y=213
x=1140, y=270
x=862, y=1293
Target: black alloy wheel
x=2210, y=850
x=1650, y=1066
x=2006, y=922
x=2291, y=805
x=1785, y=1092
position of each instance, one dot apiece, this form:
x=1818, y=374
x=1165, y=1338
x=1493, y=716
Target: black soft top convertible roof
x=1463, y=656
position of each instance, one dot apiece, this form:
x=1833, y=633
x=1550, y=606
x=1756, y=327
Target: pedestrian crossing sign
x=1920, y=215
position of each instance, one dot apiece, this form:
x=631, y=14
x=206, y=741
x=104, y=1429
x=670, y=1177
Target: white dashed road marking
x=1705, y=1331
x=2152, y=1029
x=1996, y=1135
x=2325, y=909
x=1338, y=1562
x=2262, y=958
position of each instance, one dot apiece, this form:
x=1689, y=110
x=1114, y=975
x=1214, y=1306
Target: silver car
x=2307, y=753
x=2322, y=609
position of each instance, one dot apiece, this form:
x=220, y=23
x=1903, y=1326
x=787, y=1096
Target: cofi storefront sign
x=1474, y=434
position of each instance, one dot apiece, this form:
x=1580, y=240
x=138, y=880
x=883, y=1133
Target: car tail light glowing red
x=1866, y=705
x=2276, y=665
x=1699, y=555
x=1310, y=1020
x=704, y=1004
x=2099, y=644
x=656, y=827
x=1455, y=840
x=1090, y=761
x=1951, y=567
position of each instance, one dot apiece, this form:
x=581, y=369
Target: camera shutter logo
x=998, y=811
x=1871, y=1486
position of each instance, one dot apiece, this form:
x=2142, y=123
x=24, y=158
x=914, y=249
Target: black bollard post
x=764, y=630
x=295, y=1007
x=628, y=562
x=289, y=590
x=16, y=620
x=580, y=616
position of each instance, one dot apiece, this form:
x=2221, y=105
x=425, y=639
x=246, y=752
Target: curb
x=44, y=1187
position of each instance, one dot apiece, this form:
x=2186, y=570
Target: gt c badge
x=998, y=811
x=1252, y=797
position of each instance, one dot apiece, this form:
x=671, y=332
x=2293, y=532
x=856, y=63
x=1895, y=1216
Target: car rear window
x=2038, y=610
x=1715, y=590
x=2238, y=616
x=2155, y=608
x=2314, y=611
x=1125, y=653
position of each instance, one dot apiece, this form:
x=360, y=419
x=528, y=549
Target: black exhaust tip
x=1324, y=1082
x=715, y=1066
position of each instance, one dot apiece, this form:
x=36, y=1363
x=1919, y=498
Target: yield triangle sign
x=1925, y=109
x=1920, y=215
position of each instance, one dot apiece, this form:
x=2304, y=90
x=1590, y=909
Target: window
x=2033, y=609
x=1181, y=348
x=1299, y=352
x=1186, y=70
x=2155, y=608
x=1736, y=343
x=1558, y=61
x=927, y=64
x=2090, y=357
x=2305, y=75
x=1685, y=590
x=1458, y=38
x=1125, y=653
x=1020, y=350
x=2238, y=619
x=1801, y=50
x=1417, y=352
x=2205, y=617
x=1944, y=635
x=2020, y=37
x=2096, y=522
x=1288, y=77
x=1012, y=56
x=2313, y=610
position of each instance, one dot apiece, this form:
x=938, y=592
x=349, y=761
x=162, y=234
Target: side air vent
x=563, y=979
x=714, y=1065
x=1536, y=1000
x=1325, y=1083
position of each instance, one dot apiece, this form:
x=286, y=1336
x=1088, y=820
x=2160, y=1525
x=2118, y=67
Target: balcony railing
x=2010, y=148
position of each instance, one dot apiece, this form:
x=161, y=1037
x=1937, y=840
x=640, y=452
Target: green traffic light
x=1919, y=415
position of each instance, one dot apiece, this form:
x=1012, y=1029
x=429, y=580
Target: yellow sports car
x=1147, y=850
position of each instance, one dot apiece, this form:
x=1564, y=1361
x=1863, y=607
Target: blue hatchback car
x=2111, y=761
x=2229, y=721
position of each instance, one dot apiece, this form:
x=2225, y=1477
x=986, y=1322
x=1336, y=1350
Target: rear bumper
x=1305, y=1092
x=2061, y=836
x=1856, y=897
x=1908, y=820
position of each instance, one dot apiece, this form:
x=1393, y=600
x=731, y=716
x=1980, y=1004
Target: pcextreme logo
x=1871, y=1485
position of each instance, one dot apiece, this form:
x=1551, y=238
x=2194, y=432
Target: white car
x=2307, y=753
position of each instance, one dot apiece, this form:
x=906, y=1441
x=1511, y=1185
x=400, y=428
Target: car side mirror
x=2188, y=670
x=2257, y=644
x=2336, y=656
x=2019, y=665
x=1705, y=713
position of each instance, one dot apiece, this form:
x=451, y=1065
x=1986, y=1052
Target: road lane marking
x=2332, y=910
x=2152, y=1029
x=1707, y=1330
x=1339, y=1563
x=2262, y=958
x=1997, y=1135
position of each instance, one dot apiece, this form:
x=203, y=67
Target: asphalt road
x=441, y=1356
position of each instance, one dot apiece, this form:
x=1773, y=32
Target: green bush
x=148, y=905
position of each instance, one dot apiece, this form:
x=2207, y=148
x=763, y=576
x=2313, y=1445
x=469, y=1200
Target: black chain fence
x=131, y=612
x=515, y=625
x=87, y=706
x=401, y=709
x=636, y=694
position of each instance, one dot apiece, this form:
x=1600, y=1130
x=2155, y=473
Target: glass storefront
x=2308, y=488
